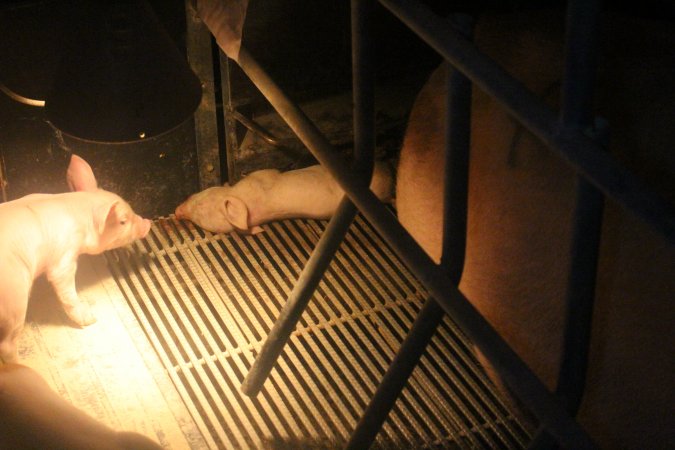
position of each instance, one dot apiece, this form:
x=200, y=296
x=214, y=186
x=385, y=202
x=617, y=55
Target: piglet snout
x=180, y=212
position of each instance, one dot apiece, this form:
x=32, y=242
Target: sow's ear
x=80, y=177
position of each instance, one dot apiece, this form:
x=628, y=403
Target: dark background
x=304, y=45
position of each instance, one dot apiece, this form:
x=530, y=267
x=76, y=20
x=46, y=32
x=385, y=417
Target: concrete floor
x=108, y=370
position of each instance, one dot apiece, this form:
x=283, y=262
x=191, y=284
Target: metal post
x=364, y=149
x=206, y=133
x=577, y=113
x=458, y=131
x=363, y=86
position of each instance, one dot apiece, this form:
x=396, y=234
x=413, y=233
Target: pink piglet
x=45, y=233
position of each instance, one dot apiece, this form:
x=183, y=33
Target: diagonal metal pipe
x=302, y=292
x=514, y=371
x=364, y=150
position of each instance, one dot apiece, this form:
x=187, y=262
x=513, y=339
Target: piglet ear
x=236, y=212
x=80, y=177
x=104, y=214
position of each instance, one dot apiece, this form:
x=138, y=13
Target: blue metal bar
x=363, y=84
x=576, y=113
x=458, y=130
x=580, y=151
x=302, y=292
x=322, y=255
x=396, y=377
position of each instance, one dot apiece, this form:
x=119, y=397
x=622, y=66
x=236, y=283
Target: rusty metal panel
x=200, y=57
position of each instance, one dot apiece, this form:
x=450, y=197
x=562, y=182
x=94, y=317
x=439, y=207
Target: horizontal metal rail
x=580, y=151
x=548, y=409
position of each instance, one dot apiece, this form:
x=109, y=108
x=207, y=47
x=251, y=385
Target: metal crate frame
x=565, y=132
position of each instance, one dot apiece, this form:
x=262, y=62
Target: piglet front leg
x=13, y=305
x=62, y=278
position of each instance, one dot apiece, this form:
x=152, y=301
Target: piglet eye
x=123, y=222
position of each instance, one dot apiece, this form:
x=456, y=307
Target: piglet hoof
x=82, y=315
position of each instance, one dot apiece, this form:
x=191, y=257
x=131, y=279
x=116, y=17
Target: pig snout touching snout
x=183, y=210
x=519, y=226
x=268, y=194
x=45, y=233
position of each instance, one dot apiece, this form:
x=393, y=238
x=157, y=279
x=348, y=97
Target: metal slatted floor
x=207, y=302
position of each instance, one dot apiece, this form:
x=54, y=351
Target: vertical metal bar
x=364, y=148
x=457, y=132
x=577, y=111
x=230, y=124
x=458, y=146
x=397, y=375
x=581, y=47
x=206, y=132
x=580, y=294
x=363, y=86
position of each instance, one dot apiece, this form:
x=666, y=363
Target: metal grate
x=206, y=303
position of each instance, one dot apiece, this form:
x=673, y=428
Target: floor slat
x=212, y=299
